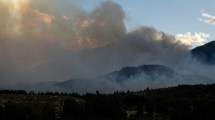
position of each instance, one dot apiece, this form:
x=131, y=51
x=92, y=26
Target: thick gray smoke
x=142, y=46
x=55, y=40
x=34, y=33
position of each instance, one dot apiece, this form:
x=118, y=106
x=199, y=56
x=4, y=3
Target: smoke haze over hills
x=56, y=40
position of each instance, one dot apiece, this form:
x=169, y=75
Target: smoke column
x=55, y=40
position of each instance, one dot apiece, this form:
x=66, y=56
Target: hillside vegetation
x=184, y=102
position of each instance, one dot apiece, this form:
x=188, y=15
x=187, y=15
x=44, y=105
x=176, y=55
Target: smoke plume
x=33, y=33
x=55, y=40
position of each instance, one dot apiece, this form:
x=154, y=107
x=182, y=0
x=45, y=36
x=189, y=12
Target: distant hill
x=133, y=78
x=205, y=53
x=149, y=70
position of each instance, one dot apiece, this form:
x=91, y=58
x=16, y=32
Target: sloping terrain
x=205, y=53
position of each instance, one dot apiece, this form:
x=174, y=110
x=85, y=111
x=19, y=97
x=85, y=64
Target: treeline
x=184, y=102
x=23, y=92
x=13, y=92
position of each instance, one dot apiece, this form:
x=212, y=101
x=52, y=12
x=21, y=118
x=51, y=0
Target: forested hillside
x=184, y=102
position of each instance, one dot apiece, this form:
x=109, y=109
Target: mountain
x=132, y=78
x=105, y=82
x=150, y=70
x=205, y=53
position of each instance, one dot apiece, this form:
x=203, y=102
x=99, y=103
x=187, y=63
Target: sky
x=185, y=18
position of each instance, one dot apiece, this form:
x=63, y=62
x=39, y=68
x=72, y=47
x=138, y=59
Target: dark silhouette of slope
x=121, y=79
x=150, y=70
x=205, y=53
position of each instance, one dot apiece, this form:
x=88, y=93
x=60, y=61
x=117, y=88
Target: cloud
x=196, y=39
x=208, y=18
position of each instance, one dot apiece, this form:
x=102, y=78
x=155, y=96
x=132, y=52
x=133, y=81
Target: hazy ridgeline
x=52, y=40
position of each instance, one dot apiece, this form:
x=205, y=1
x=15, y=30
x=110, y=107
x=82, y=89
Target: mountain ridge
x=128, y=77
x=150, y=70
x=205, y=53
